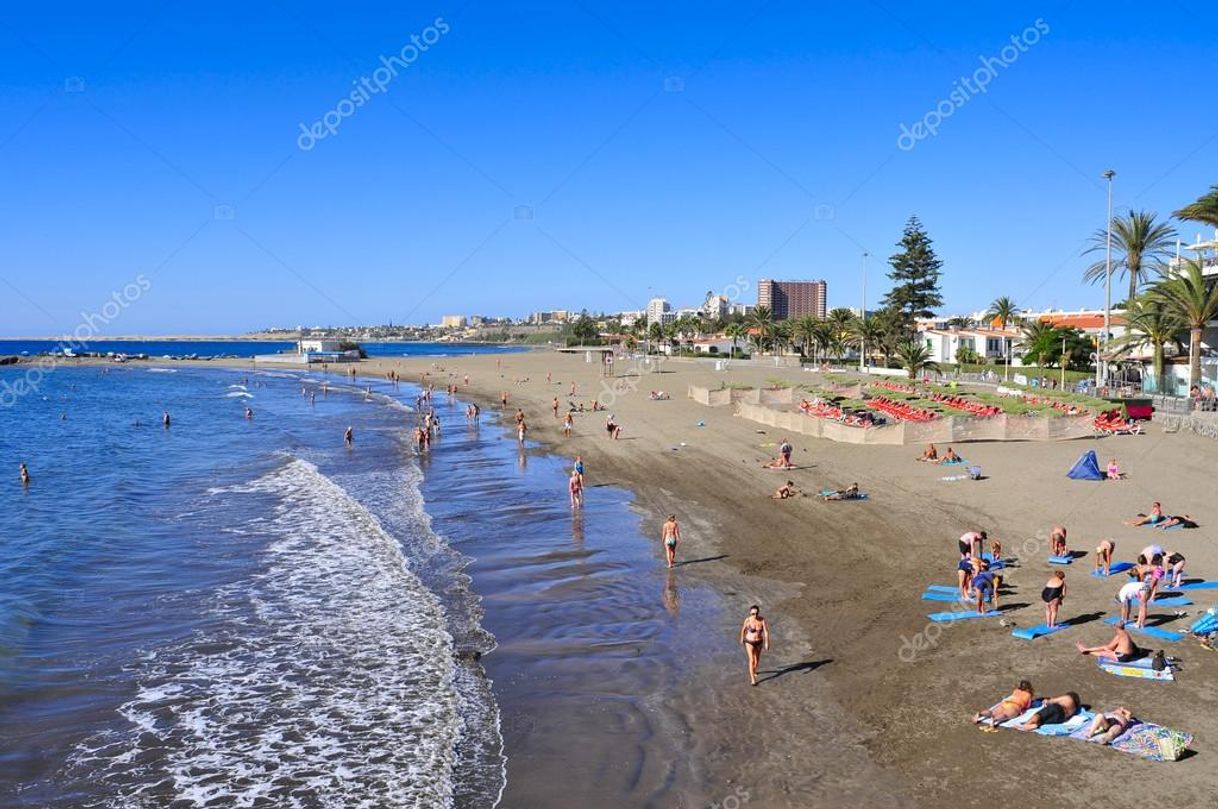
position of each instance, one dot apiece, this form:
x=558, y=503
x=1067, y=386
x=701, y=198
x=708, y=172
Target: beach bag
x=1157, y=661
x=974, y=472
x=1172, y=744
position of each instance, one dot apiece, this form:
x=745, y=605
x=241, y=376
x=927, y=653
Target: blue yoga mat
x=942, y=588
x=1198, y=585
x=1117, y=567
x=1149, y=631
x=1034, y=632
x=1061, y=560
x=1172, y=601
x=963, y=615
x=935, y=596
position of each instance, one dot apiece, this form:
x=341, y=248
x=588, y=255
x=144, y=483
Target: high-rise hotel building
x=788, y=300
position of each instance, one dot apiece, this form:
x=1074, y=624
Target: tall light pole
x=1102, y=362
x=863, y=315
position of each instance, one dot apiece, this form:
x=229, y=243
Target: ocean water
x=239, y=348
x=230, y=612
x=237, y=612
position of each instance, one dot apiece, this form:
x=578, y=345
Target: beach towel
x=1079, y=720
x=1086, y=467
x=1140, y=668
x=1147, y=740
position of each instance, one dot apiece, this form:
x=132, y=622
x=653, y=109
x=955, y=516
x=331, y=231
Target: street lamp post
x=863, y=315
x=1101, y=365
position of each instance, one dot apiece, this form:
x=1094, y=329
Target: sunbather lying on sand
x=1010, y=707
x=851, y=492
x=1184, y=521
x=1110, y=725
x=1055, y=711
x=1155, y=516
x=1121, y=649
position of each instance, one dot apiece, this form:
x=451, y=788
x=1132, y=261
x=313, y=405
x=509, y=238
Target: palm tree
x=803, y=331
x=1003, y=310
x=1204, y=210
x=1139, y=245
x=1149, y=325
x=1186, y=294
x=782, y=337
x=763, y=321
x=867, y=334
x=1037, y=340
x=735, y=331
x=960, y=322
x=914, y=357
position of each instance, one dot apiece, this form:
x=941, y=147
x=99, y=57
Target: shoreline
x=848, y=720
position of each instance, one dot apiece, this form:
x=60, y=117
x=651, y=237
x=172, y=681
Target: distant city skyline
x=313, y=165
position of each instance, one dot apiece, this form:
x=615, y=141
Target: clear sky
x=567, y=155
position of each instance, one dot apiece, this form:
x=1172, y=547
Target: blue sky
x=554, y=155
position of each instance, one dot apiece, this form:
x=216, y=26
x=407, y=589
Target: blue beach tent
x=1086, y=468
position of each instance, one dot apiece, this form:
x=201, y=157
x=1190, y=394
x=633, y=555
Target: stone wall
x=1205, y=424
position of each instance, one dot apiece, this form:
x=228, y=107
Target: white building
x=716, y=307
x=659, y=311
x=991, y=344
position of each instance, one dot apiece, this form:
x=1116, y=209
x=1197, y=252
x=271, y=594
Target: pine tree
x=915, y=275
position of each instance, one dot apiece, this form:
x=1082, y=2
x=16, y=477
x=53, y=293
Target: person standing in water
x=349, y=437
x=165, y=420
x=754, y=637
x=249, y=414
x=25, y=475
x=576, y=487
x=670, y=535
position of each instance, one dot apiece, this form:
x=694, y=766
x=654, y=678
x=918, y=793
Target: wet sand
x=850, y=713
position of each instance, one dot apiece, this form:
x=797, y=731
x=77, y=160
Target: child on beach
x=1114, y=471
x=785, y=491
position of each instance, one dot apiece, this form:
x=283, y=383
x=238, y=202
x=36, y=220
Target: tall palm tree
x=763, y=321
x=960, y=322
x=1139, y=245
x=735, y=331
x=1204, y=210
x=914, y=357
x=867, y=334
x=782, y=337
x=823, y=338
x=1186, y=293
x=1149, y=325
x=803, y=331
x=1003, y=310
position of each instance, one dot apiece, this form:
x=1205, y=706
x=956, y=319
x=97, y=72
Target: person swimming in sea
x=165, y=420
x=755, y=637
x=25, y=475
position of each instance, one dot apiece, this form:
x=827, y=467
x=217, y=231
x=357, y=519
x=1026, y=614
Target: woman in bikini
x=1053, y=595
x=1109, y=725
x=1155, y=516
x=576, y=487
x=1103, y=556
x=670, y=535
x=755, y=637
x=1010, y=707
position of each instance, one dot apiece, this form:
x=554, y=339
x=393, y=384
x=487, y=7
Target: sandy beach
x=859, y=704
x=851, y=719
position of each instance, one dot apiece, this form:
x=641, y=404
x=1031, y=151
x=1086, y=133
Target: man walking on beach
x=670, y=535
